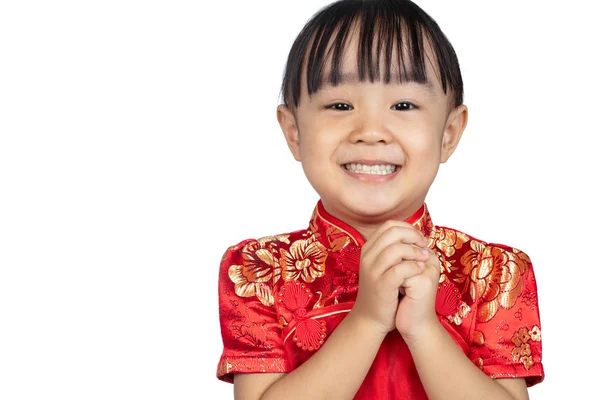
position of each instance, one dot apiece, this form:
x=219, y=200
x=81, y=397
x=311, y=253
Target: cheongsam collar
x=322, y=221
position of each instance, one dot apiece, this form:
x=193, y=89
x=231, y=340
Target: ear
x=455, y=125
x=287, y=122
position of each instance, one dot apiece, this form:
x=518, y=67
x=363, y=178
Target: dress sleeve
x=506, y=339
x=249, y=326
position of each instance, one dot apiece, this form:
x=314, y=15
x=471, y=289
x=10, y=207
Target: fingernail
x=421, y=264
x=425, y=252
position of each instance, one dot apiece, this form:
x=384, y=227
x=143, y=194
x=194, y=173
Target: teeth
x=383, y=169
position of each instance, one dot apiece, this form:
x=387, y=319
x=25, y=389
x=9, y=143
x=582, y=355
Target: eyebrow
x=352, y=77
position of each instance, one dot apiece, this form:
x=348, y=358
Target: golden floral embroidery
x=443, y=278
x=305, y=259
x=336, y=238
x=446, y=266
x=522, y=350
x=258, y=272
x=479, y=363
x=263, y=242
x=448, y=241
x=494, y=276
x=523, y=335
x=527, y=361
x=463, y=311
x=502, y=326
x=535, y=333
x=469, y=261
x=478, y=338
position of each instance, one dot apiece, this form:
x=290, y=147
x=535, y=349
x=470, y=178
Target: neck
x=367, y=225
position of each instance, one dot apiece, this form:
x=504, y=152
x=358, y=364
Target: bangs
x=394, y=32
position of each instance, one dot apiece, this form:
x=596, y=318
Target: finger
x=420, y=286
x=386, y=226
x=432, y=263
x=433, y=266
x=395, y=276
x=431, y=273
x=390, y=227
x=399, y=232
x=396, y=253
x=428, y=274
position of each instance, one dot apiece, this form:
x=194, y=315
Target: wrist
x=367, y=327
x=425, y=336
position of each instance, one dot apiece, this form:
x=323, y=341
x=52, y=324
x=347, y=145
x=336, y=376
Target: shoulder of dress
x=489, y=274
x=446, y=234
x=270, y=243
x=507, y=248
x=443, y=232
x=459, y=248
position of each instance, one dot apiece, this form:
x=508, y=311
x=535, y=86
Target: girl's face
x=372, y=150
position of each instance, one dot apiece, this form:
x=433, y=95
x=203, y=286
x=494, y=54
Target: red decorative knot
x=310, y=334
x=300, y=313
x=448, y=299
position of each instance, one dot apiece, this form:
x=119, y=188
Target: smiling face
x=372, y=150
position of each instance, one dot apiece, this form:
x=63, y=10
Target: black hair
x=390, y=22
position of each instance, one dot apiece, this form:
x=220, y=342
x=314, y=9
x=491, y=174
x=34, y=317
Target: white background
x=138, y=140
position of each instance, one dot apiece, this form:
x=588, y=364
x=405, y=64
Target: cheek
x=422, y=147
x=310, y=148
x=318, y=142
x=419, y=136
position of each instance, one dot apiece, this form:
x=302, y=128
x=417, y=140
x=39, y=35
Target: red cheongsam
x=280, y=297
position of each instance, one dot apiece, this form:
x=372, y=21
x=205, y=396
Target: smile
x=382, y=169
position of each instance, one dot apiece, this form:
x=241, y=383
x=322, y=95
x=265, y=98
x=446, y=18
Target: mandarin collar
x=322, y=220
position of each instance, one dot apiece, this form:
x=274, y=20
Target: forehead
x=347, y=63
x=352, y=79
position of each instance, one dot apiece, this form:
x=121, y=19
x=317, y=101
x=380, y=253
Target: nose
x=370, y=130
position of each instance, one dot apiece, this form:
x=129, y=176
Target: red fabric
x=280, y=297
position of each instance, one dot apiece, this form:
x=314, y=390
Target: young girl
x=372, y=300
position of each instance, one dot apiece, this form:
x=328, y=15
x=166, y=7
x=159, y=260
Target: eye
x=342, y=107
x=404, y=106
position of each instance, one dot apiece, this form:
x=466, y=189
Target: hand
x=416, y=311
x=393, y=254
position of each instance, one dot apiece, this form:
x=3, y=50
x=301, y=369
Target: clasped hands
x=396, y=260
